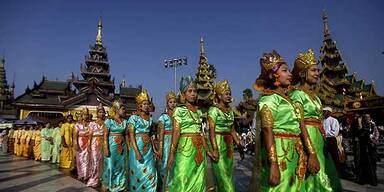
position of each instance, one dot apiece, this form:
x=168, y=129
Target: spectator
x=368, y=137
x=332, y=128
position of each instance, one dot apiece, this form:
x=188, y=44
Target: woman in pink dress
x=83, y=146
x=96, y=157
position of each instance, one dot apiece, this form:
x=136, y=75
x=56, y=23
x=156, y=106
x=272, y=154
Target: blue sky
x=51, y=37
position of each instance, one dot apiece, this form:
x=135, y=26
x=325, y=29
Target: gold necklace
x=197, y=121
x=227, y=113
x=284, y=96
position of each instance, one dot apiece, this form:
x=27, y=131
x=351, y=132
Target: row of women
x=291, y=156
x=126, y=155
x=35, y=142
x=175, y=159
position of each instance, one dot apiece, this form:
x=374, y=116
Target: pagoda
x=96, y=84
x=51, y=100
x=336, y=87
x=205, y=76
x=7, y=110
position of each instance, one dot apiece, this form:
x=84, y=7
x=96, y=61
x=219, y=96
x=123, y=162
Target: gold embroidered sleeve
x=309, y=146
x=266, y=117
x=176, y=132
x=272, y=154
x=299, y=110
x=161, y=135
x=131, y=129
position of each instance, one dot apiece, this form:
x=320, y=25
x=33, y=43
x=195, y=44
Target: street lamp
x=174, y=63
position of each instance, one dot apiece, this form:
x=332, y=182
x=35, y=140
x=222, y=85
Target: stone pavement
x=20, y=174
x=243, y=175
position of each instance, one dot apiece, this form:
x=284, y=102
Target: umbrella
x=28, y=121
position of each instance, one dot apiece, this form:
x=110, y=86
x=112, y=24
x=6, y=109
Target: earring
x=277, y=82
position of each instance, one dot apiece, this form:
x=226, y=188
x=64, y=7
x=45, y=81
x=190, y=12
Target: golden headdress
x=302, y=63
x=269, y=63
x=100, y=107
x=142, y=96
x=170, y=95
x=84, y=111
x=221, y=87
x=116, y=105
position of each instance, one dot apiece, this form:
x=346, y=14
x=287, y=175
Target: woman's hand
x=170, y=161
x=215, y=155
x=106, y=151
x=138, y=156
x=274, y=174
x=313, y=164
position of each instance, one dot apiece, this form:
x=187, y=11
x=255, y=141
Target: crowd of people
x=298, y=150
x=358, y=136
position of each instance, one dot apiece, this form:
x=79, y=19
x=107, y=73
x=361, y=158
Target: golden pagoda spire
x=327, y=33
x=202, y=50
x=98, y=37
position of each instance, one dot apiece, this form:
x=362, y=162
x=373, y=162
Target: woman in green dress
x=283, y=160
x=306, y=72
x=187, y=158
x=222, y=134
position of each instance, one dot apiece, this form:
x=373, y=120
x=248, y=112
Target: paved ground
x=20, y=174
x=243, y=174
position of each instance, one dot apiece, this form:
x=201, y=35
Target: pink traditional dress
x=96, y=156
x=83, y=154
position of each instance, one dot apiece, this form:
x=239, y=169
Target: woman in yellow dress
x=37, y=143
x=23, y=142
x=67, y=150
x=16, y=138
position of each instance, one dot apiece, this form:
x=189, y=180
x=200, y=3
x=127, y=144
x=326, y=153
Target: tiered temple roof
x=48, y=94
x=94, y=87
x=7, y=110
x=205, y=76
x=96, y=72
x=336, y=87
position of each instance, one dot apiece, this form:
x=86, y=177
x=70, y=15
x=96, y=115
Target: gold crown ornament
x=221, y=87
x=269, y=64
x=302, y=63
x=116, y=105
x=170, y=95
x=142, y=96
x=305, y=60
x=100, y=107
x=84, y=111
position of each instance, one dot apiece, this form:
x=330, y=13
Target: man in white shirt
x=332, y=128
x=331, y=125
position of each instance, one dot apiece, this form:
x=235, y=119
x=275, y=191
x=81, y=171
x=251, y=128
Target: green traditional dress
x=312, y=107
x=289, y=149
x=190, y=158
x=223, y=169
x=56, y=144
x=46, y=147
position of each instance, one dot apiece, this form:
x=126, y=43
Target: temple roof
x=47, y=92
x=129, y=91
